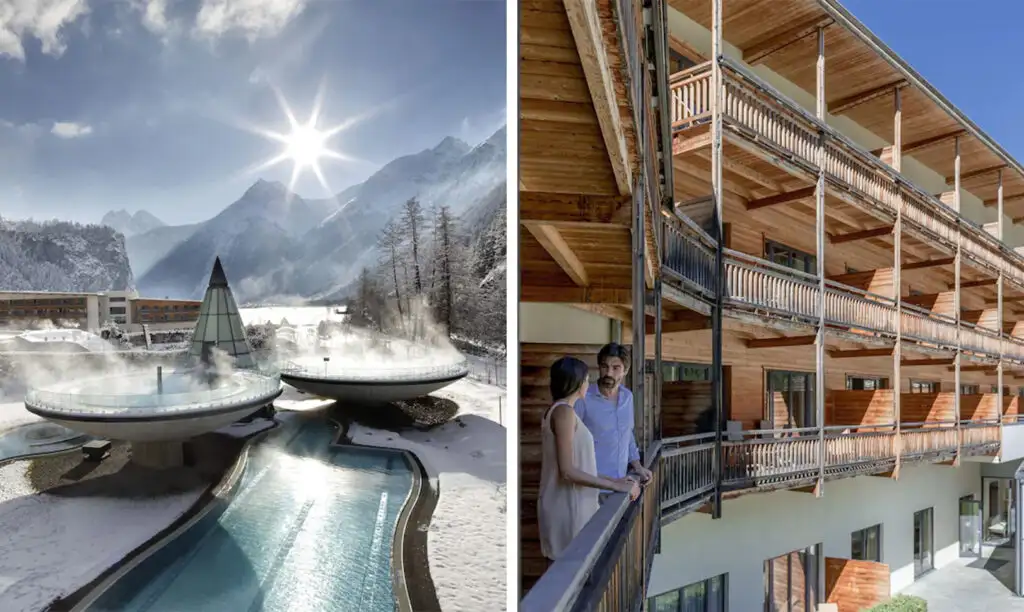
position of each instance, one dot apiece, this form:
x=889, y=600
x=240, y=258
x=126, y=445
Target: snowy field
x=295, y=315
x=466, y=459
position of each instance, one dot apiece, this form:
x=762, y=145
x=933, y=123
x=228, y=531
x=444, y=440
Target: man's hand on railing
x=629, y=486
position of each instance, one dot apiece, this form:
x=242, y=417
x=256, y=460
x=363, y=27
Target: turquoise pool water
x=308, y=527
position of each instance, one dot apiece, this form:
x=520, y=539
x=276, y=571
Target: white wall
x=757, y=527
x=561, y=324
x=684, y=28
x=1011, y=445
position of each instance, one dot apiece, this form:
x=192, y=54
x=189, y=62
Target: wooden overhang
x=577, y=154
x=860, y=73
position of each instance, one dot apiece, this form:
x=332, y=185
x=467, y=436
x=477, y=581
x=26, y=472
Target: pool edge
x=80, y=599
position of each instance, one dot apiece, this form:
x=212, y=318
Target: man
x=607, y=411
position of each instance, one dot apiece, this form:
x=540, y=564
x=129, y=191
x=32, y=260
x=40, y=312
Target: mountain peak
x=131, y=224
x=452, y=145
x=269, y=187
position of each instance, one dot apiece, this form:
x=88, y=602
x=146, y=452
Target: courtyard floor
x=978, y=585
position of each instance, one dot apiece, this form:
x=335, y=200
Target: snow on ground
x=296, y=315
x=466, y=542
x=13, y=414
x=55, y=545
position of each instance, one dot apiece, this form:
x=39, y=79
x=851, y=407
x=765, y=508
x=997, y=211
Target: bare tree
x=412, y=221
x=390, y=242
x=444, y=243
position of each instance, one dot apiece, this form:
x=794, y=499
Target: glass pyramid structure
x=219, y=324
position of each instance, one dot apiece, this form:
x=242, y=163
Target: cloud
x=252, y=18
x=69, y=129
x=154, y=15
x=40, y=19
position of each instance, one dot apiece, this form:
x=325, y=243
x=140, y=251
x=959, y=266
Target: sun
x=306, y=145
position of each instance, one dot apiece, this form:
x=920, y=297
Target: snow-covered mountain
x=147, y=248
x=274, y=243
x=130, y=225
x=62, y=256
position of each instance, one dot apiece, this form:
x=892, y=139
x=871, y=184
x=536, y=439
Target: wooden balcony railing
x=980, y=437
x=851, y=450
x=979, y=340
x=770, y=458
x=928, y=439
x=758, y=113
x=688, y=254
x=606, y=565
x=687, y=470
x=927, y=327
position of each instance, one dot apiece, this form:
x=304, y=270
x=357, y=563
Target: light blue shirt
x=612, y=428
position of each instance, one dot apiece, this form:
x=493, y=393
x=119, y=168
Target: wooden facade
x=812, y=249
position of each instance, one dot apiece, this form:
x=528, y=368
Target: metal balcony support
x=819, y=217
x=956, y=295
x=639, y=313
x=897, y=242
x=999, y=297
x=717, y=391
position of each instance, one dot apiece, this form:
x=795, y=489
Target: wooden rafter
x=844, y=104
x=756, y=343
x=585, y=24
x=549, y=238
x=757, y=52
x=560, y=209
x=926, y=362
x=885, y=230
x=966, y=176
x=1007, y=199
x=745, y=171
x=986, y=282
x=854, y=353
x=782, y=198
x=924, y=143
x=928, y=263
x=576, y=295
x=682, y=145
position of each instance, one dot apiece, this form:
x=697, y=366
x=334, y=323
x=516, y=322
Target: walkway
x=979, y=585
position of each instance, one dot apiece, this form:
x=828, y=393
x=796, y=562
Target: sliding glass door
x=790, y=401
x=923, y=542
x=792, y=582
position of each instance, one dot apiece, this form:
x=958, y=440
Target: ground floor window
x=866, y=544
x=792, y=581
x=703, y=596
x=923, y=542
x=790, y=401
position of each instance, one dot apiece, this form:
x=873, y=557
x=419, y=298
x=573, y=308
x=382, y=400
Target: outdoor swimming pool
x=307, y=527
x=38, y=439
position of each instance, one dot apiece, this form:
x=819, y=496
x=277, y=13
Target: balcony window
x=866, y=383
x=790, y=401
x=704, y=596
x=792, y=581
x=866, y=544
x=117, y=310
x=923, y=386
x=790, y=257
x=970, y=389
x=923, y=542
x=685, y=372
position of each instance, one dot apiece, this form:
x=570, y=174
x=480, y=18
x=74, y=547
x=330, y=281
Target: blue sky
x=968, y=55
x=134, y=104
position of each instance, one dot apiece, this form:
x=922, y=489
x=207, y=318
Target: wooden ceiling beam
x=844, y=104
x=855, y=353
x=681, y=145
x=975, y=368
x=987, y=282
x=549, y=237
x=966, y=176
x=585, y=24
x=745, y=171
x=928, y=263
x=757, y=52
x=924, y=143
x=621, y=296
x=560, y=209
x=1007, y=199
x=885, y=230
x=782, y=198
x=758, y=343
x=927, y=362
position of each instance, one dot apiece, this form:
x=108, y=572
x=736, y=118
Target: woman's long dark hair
x=567, y=376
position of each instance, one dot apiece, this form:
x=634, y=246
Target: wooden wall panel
x=986, y=318
x=874, y=281
x=747, y=396
x=939, y=303
x=981, y=407
x=859, y=407
x=1011, y=408
x=534, y=399
x=920, y=407
x=856, y=585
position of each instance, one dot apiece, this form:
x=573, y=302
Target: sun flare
x=305, y=144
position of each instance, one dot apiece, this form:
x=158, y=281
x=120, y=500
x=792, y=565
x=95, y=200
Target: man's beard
x=606, y=382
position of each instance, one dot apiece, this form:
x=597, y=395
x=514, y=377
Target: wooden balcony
x=761, y=120
x=608, y=562
x=687, y=471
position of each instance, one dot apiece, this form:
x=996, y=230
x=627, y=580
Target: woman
x=569, y=483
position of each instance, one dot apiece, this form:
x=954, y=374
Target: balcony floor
x=959, y=586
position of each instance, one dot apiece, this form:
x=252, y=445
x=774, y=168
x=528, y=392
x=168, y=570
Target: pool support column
x=160, y=380
x=159, y=455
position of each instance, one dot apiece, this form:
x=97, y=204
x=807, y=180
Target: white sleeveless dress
x=563, y=508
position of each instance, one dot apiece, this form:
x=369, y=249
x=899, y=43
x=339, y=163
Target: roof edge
x=854, y=25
